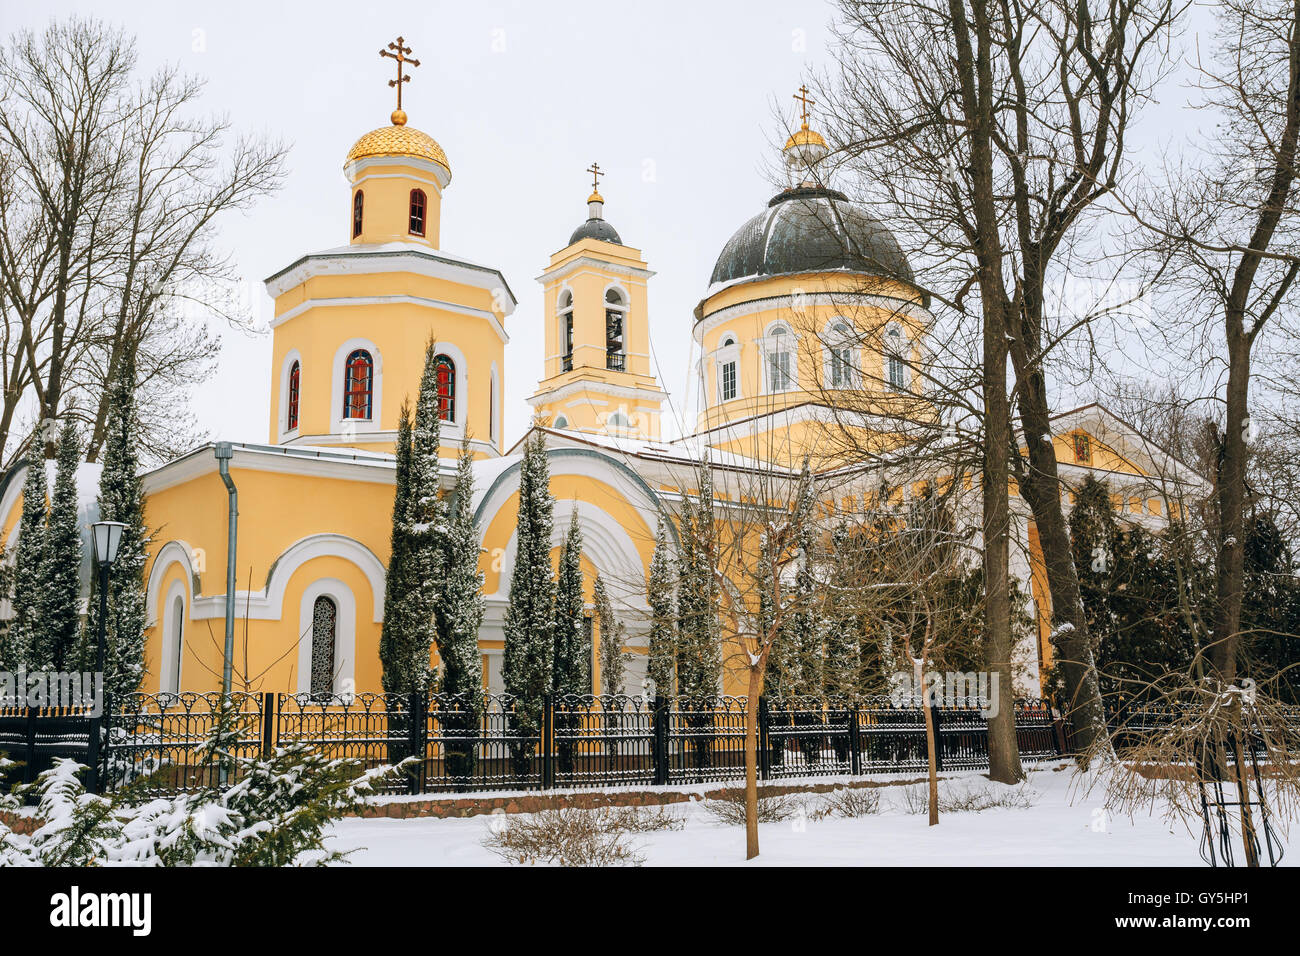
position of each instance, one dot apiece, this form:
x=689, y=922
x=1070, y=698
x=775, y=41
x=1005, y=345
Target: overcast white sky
x=674, y=99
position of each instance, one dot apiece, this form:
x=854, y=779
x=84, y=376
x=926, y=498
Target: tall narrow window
x=358, y=202
x=492, y=407
x=417, y=212
x=728, y=381
x=176, y=637
x=445, y=369
x=324, y=627
x=566, y=331
x=779, y=377
x=841, y=356
x=295, y=376
x=895, y=363
x=358, y=388
x=615, y=309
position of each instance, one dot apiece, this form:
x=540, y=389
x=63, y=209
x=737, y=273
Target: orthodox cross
x=805, y=101
x=399, y=54
x=596, y=173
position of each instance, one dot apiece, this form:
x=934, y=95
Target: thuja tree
x=459, y=616
x=661, y=668
x=529, y=621
x=414, y=582
x=613, y=662
x=699, y=635
x=121, y=498
x=571, y=665
x=29, y=563
x=59, y=603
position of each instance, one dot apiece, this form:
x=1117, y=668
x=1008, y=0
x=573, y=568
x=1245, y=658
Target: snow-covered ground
x=1063, y=826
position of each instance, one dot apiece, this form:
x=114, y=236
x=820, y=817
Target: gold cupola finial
x=595, y=202
x=805, y=148
x=398, y=51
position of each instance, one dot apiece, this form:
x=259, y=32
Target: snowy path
x=1063, y=827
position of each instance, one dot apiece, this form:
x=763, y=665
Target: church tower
x=351, y=323
x=597, y=372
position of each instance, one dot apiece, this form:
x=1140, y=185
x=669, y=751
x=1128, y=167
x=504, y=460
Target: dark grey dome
x=811, y=229
x=596, y=229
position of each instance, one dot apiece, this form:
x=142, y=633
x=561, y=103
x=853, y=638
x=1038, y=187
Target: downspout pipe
x=224, y=452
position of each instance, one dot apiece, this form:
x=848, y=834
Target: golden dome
x=806, y=137
x=398, y=140
x=595, y=197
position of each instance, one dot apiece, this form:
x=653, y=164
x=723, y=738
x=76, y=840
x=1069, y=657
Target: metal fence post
x=546, y=744
x=92, y=750
x=764, y=753
x=269, y=722
x=29, y=765
x=855, y=757
x=659, y=752
x=415, y=736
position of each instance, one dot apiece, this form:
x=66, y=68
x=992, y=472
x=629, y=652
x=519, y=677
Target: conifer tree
x=29, y=564
x=613, y=662
x=460, y=614
x=419, y=524
x=796, y=662
x=121, y=498
x=661, y=667
x=399, y=582
x=529, y=621
x=570, y=673
x=59, y=605
x=699, y=652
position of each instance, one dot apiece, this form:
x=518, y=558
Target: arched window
x=842, y=371
x=561, y=422
x=895, y=358
x=445, y=370
x=324, y=629
x=417, y=212
x=358, y=202
x=358, y=385
x=617, y=420
x=172, y=679
x=615, y=312
x=780, y=376
x=566, y=331
x=492, y=405
x=295, y=383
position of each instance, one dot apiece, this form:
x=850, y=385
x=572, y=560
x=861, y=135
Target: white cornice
x=340, y=301
x=604, y=388
x=284, y=459
x=585, y=261
x=363, y=260
x=811, y=300
x=440, y=172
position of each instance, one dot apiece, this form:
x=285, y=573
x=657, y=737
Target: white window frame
x=779, y=333
x=286, y=366
x=359, y=425
x=724, y=355
x=345, y=634
x=839, y=337
x=890, y=355
x=622, y=307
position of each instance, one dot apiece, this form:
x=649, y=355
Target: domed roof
x=805, y=137
x=811, y=229
x=596, y=229
x=398, y=140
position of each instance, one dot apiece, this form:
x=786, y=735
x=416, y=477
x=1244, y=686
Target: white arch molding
x=360, y=425
x=171, y=665
x=345, y=634
x=282, y=420
x=268, y=603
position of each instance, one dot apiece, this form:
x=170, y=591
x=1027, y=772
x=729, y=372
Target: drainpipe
x=224, y=452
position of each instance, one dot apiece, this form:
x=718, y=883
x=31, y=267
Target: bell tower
x=597, y=365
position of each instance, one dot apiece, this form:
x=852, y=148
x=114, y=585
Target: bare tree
x=991, y=130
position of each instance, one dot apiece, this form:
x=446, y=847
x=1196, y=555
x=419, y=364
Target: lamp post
x=106, y=536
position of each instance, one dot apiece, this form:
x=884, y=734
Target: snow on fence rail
x=494, y=743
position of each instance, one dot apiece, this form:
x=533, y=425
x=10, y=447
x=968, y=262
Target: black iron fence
x=462, y=744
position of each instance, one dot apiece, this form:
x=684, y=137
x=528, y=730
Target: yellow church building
x=810, y=298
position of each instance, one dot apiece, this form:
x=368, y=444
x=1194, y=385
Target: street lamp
x=106, y=536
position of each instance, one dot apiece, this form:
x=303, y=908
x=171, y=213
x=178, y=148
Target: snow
x=1064, y=826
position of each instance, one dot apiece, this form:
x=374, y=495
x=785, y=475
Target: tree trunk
x=755, y=691
x=1072, y=641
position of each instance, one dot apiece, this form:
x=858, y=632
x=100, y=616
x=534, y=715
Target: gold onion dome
x=805, y=137
x=398, y=140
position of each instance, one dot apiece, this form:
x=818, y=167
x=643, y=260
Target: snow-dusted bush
x=568, y=836
x=275, y=815
x=729, y=807
x=847, y=802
